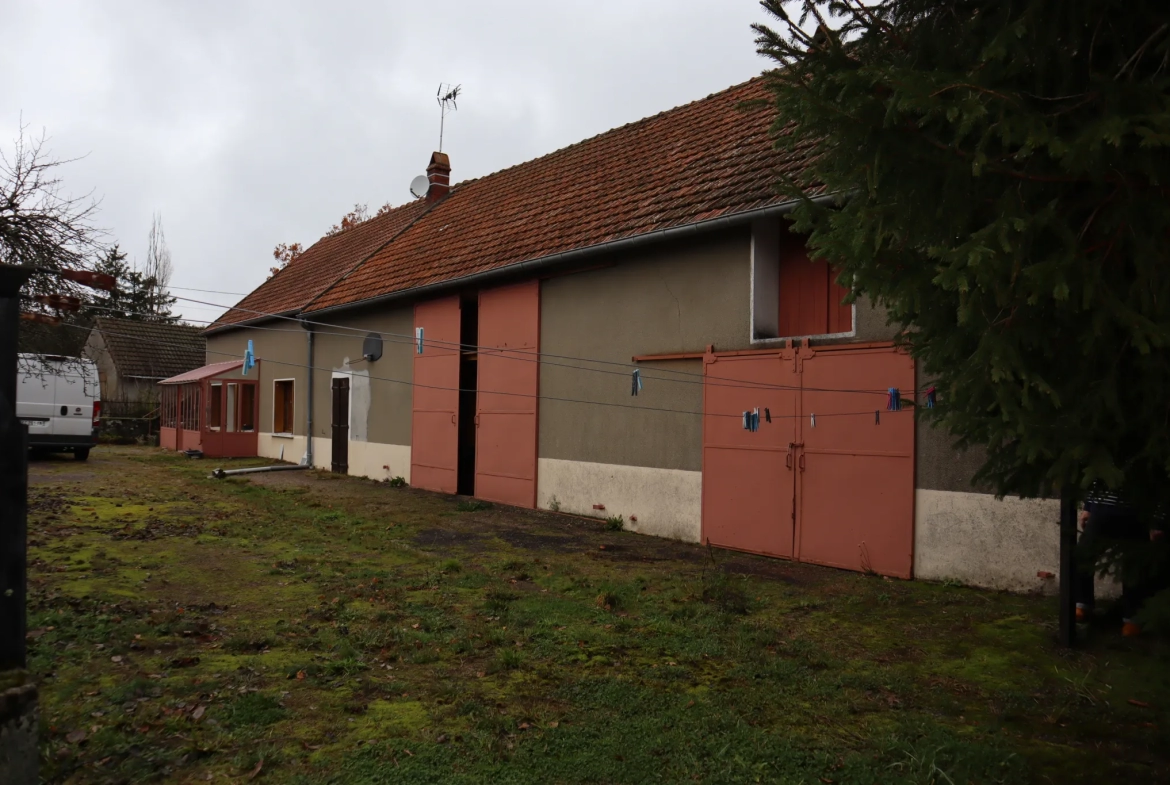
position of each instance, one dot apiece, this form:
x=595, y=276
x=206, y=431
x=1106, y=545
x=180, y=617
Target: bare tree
x=158, y=270
x=43, y=227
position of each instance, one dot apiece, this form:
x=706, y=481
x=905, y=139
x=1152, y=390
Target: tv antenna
x=446, y=96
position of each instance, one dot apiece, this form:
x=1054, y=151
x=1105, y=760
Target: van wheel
x=81, y=453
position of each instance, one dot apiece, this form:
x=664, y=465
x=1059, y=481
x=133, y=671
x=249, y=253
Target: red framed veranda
x=213, y=409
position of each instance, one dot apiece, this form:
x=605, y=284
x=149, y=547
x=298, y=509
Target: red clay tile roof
x=707, y=159
x=321, y=264
x=699, y=161
x=151, y=350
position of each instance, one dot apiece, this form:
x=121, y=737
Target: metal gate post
x=13, y=479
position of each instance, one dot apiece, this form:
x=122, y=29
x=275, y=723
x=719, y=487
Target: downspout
x=309, y=399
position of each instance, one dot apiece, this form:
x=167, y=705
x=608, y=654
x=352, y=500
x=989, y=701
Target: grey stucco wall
x=280, y=349
x=675, y=298
x=381, y=395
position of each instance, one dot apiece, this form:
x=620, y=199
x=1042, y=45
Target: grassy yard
x=302, y=628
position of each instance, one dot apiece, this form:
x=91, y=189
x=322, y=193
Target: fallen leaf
x=524, y=726
x=116, y=658
x=1139, y=704
x=408, y=752
x=256, y=771
x=414, y=626
x=198, y=712
x=76, y=737
x=442, y=739
x=554, y=724
x=690, y=703
x=32, y=635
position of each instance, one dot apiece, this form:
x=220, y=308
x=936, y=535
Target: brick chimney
x=439, y=175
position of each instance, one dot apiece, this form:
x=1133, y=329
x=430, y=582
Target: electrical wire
x=537, y=396
x=538, y=355
x=507, y=354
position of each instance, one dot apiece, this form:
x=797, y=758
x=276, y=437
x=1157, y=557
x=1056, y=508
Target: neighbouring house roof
x=294, y=286
x=215, y=369
x=708, y=159
x=151, y=350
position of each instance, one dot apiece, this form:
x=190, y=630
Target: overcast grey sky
x=246, y=124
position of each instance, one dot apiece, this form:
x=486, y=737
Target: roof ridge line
x=608, y=131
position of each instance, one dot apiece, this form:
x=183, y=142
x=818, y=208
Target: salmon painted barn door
x=748, y=476
x=434, y=445
x=506, y=405
x=855, y=497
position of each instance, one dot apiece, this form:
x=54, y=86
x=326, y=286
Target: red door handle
x=452, y=418
x=802, y=461
x=788, y=458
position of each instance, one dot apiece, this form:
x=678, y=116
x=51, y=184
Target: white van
x=58, y=398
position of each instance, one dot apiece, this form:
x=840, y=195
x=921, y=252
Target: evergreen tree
x=135, y=298
x=1003, y=169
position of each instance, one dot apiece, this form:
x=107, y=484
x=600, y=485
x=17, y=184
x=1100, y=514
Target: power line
x=538, y=355
x=506, y=354
x=537, y=396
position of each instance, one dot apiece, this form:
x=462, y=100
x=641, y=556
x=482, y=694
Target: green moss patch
x=315, y=629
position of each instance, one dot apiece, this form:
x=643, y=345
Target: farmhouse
x=626, y=327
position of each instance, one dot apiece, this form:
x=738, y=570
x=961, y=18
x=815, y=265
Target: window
x=231, y=407
x=793, y=297
x=247, y=407
x=167, y=408
x=282, y=406
x=215, y=416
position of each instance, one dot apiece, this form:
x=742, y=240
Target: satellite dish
x=419, y=186
x=372, y=347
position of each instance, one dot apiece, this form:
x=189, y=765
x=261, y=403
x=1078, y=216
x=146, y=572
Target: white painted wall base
x=379, y=461
x=980, y=541
x=666, y=502
x=269, y=446
x=366, y=459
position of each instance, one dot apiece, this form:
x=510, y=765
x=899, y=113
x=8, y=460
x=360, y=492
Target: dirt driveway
x=306, y=628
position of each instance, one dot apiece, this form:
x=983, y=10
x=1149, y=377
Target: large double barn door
x=506, y=380
x=838, y=492
x=506, y=405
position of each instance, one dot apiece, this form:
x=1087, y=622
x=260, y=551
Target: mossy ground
x=313, y=629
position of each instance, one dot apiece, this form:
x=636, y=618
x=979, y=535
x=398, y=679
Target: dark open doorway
x=468, y=385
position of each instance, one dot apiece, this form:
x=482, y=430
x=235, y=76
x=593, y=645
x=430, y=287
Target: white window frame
x=765, y=290
x=285, y=434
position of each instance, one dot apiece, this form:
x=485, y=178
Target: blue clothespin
x=931, y=392
x=636, y=382
x=893, y=400
x=747, y=421
x=418, y=340
x=249, y=359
